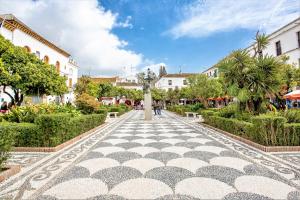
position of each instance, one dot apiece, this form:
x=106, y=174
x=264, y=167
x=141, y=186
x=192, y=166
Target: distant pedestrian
x=159, y=107
x=155, y=107
x=4, y=107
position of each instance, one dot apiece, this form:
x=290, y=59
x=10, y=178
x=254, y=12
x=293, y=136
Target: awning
x=293, y=95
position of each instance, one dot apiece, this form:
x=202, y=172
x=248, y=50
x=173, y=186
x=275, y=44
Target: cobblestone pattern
x=167, y=158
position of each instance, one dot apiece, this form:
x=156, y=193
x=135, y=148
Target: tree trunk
x=257, y=105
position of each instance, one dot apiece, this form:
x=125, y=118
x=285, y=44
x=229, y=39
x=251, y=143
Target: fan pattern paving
x=166, y=159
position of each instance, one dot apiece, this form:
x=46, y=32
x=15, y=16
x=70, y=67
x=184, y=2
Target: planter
x=9, y=171
x=58, y=147
x=254, y=144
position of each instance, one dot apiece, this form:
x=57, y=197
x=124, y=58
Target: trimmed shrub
x=228, y=111
x=27, y=134
x=292, y=134
x=53, y=128
x=7, y=135
x=269, y=130
x=292, y=116
x=234, y=126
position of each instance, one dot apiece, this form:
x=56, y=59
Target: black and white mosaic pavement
x=167, y=158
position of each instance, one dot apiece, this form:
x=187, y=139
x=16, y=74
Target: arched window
x=27, y=48
x=57, y=65
x=46, y=59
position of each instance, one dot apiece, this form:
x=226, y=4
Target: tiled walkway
x=167, y=158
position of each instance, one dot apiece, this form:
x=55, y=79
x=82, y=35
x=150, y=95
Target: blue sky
x=117, y=37
x=150, y=21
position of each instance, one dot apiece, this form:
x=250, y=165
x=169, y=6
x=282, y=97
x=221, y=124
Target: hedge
x=264, y=129
x=58, y=128
x=234, y=126
x=7, y=135
x=292, y=134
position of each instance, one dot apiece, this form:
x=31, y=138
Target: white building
x=173, y=81
x=284, y=41
x=211, y=72
x=125, y=83
x=21, y=35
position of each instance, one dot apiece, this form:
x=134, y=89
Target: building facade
x=283, y=42
x=173, y=81
x=21, y=35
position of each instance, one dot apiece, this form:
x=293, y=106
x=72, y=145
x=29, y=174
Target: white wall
x=289, y=43
x=68, y=69
x=163, y=83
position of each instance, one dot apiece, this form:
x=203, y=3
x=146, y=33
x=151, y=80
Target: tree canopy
x=25, y=74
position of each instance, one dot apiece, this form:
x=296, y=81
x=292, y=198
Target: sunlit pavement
x=167, y=158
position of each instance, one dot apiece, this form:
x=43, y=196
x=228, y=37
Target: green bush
x=196, y=107
x=53, y=128
x=228, y=111
x=101, y=111
x=231, y=125
x=26, y=134
x=292, y=115
x=7, y=135
x=114, y=109
x=292, y=134
x=87, y=104
x=268, y=129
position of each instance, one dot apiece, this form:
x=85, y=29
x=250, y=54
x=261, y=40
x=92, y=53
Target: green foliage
x=29, y=113
x=291, y=134
x=292, y=115
x=26, y=74
x=26, y=134
x=55, y=129
x=203, y=88
x=7, y=135
x=158, y=94
x=87, y=104
x=234, y=126
x=85, y=85
x=268, y=129
x=196, y=107
x=228, y=111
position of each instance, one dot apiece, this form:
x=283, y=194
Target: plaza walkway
x=167, y=158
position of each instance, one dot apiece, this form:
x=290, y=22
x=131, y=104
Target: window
x=298, y=38
x=27, y=48
x=38, y=54
x=70, y=82
x=184, y=82
x=46, y=59
x=169, y=82
x=215, y=73
x=57, y=65
x=176, y=88
x=278, y=48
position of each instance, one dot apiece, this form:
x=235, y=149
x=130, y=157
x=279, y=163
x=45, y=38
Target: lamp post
x=147, y=95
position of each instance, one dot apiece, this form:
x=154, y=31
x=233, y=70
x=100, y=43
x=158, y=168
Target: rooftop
x=12, y=23
x=179, y=75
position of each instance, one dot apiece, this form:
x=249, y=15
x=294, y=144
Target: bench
x=194, y=114
x=200, y=118
x=115, y=114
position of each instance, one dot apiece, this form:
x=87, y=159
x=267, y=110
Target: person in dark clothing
x=4, y=107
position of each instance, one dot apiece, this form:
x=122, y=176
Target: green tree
x=158, y=94
x=85, y=85
x=25, y=74
x=104, y=89
x=203, y=88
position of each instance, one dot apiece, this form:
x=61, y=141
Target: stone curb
x=253, y=144
x=58, y=147
x=12, y=170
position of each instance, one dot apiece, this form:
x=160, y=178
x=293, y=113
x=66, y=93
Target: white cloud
x=83, y=28
x=126, y=23
x=203, y=18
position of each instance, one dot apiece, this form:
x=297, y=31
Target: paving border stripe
x=271, y=163
x=56, y=155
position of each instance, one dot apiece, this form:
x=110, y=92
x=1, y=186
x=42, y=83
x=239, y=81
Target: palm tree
x=261, y=42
